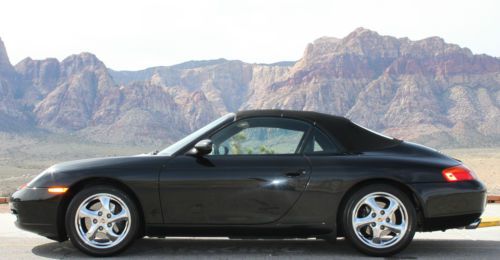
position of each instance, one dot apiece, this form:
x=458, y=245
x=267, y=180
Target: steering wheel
x=225, y=149
x=217, y=150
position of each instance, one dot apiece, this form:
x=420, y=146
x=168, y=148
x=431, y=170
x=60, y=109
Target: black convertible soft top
x=351, y=136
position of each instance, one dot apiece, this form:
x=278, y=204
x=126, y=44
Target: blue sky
x=130, y=35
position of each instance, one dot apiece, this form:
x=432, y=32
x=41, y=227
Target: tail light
x=458, y=173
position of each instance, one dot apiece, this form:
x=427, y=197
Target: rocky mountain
x=14, y=115
x=428, y=91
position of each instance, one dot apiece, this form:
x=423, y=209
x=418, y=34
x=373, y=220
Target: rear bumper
x=450, y=205
x=36, y=211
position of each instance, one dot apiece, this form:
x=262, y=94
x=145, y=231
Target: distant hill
x=429, y=91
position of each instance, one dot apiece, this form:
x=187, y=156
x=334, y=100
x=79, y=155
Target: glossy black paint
x=236, y=190
x=257, y=195
x=37, y=211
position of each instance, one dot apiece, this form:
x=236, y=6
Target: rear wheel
x=379, y=220
x=102, y=220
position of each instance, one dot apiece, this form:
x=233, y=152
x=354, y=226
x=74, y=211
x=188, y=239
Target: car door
x=254, y=175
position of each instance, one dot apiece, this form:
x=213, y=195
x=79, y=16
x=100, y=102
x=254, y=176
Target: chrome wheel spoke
x=111, y=234
x=394, y=227
x=118, y=217
x=376, y=235
x=92, y=232
x=104, y=200
x=373, y=204
x=87, y=213
x=361, y=222
x=392, y=207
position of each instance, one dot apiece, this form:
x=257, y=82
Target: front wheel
x=379, y=220
x=102, y=220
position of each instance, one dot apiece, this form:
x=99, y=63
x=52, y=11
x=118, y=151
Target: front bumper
x=36, y=211
x=450, y=205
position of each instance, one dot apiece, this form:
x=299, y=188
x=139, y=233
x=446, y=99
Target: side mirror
x=201, y=148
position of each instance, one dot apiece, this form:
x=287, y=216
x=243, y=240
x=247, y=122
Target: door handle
x=296, y=173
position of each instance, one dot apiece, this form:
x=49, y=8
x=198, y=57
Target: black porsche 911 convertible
x=257, y=174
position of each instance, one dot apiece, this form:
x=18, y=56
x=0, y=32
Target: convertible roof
x=351, y=136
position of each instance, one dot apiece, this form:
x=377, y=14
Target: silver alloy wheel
x=102, y=220
x=380, y=220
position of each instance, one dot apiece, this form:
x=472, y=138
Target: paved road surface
x=458, y=244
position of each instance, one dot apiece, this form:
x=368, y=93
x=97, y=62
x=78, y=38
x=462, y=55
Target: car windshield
x=172, y=149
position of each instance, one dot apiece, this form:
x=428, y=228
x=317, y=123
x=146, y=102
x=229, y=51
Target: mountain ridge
x=426, y=90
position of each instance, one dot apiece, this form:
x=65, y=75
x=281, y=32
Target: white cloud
x=139, y=34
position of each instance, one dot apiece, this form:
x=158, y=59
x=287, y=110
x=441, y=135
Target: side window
x=319, y=143
x=257, y=136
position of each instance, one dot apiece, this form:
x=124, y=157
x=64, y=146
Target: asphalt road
x=458, y=244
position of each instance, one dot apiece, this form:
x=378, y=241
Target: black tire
x=72, y=228
x=351, y=234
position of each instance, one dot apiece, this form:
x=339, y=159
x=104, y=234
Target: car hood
x=141, y=162
x=108, y=163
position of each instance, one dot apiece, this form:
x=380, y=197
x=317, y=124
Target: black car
x=257, y=174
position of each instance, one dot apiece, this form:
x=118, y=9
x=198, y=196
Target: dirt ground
x=23, y=157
